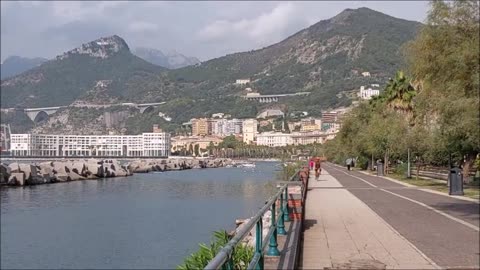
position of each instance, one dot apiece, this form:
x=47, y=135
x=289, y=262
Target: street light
x=409, y=173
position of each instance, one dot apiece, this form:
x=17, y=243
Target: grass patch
x=438, y=185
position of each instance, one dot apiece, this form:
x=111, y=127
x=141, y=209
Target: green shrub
x=241, y=257
x=362, y=163
x=401, y=169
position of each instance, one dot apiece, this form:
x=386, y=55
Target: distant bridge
x=272, y=98
x=41, y=114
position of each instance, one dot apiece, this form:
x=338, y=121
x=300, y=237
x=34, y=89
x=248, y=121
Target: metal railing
x=223, y=259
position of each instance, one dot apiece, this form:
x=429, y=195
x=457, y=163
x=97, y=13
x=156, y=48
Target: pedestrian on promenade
x=311, y=164
x=318, y=167
x=349, y=163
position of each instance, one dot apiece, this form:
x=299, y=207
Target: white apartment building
x=227, y=127
x=368, y=93
x=144, y=145
x=274, y=139
x=249, y=130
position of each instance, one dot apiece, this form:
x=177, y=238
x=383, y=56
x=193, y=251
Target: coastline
x=55, y=171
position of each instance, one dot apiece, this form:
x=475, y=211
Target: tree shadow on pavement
x=308, y=223
x=465, y=209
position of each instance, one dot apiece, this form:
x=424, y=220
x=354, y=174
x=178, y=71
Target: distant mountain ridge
x=14, y=65
x=98, y=72
x=329, y=59
x=171, y=59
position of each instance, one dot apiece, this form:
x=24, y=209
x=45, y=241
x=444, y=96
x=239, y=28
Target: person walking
x=311, y=164
x=349, y=162
x=318, y=168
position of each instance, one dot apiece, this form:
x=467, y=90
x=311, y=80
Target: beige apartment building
x=180, y=142
x=309, y=127
x=199, y=127
x=249, y=130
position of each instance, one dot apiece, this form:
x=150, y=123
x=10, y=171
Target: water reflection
x=143, y=221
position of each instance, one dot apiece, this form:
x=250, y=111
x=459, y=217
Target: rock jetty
x=19, y=174
x=173, y=164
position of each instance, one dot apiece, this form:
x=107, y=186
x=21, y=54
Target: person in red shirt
x=311, y=164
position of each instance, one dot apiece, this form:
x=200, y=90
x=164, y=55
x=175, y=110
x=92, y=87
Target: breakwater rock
x=173, y=164
x=249, y=239
x=20, y=174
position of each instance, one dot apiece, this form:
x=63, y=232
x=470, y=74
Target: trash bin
x=379, y=169
x=455, y=178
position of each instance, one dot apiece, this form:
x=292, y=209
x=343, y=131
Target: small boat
x=249, y=165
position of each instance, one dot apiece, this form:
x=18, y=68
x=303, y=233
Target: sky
x=205, y=30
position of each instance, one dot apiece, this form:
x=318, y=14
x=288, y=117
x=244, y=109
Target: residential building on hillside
x=309, y=127
x=225, y=127
x=309, y=124
x=249, y=130
x=45, y=145
x=242, y=81
x=366, y=74
x=218, y=115
x=271, y=113
x=329, y=117
x=234, y=126
x=368, y=93
x=199, y=127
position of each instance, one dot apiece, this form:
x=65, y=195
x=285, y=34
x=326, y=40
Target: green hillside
x=326, y=59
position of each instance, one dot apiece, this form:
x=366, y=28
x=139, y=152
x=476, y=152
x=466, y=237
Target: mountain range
x=170, y=59
x=329, y=59
x=14, y=65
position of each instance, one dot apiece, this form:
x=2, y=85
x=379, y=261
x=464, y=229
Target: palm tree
x=399, y=94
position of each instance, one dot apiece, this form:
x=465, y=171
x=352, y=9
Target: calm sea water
x=143, y=221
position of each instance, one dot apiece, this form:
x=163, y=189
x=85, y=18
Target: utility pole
x=409, y=174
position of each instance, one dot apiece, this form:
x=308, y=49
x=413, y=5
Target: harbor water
x=144, y=221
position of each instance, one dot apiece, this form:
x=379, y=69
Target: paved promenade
x=353, y=221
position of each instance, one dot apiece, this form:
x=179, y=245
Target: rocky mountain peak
x=101, y=48
x=169, y=59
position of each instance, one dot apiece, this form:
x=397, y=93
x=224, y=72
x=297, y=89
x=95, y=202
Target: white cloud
x=78, y=10
x=265, y=27
x=204, y=29
x=142, y=26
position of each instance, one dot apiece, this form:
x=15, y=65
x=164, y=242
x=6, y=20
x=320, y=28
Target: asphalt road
x=444, y=228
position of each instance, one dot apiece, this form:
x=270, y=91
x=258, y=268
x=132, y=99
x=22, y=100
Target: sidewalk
x=343, y=232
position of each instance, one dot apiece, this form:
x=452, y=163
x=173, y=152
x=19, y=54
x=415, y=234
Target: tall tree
x=399, y=94
x=444, y=60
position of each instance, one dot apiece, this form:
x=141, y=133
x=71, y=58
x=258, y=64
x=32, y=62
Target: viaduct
x=40, y=114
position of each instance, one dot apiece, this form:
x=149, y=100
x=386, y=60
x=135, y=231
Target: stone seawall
x=21, y=174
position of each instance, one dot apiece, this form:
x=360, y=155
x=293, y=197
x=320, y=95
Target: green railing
x=223, y=260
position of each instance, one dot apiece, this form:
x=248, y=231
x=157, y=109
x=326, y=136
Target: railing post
x=273, y=250
x=229, y=264
x=285, y=206
x=259, y=243
x=281, y=224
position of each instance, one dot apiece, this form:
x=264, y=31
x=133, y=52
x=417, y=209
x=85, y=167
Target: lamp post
x=409, y=173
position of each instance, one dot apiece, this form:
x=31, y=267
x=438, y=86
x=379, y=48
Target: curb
x=425, y=189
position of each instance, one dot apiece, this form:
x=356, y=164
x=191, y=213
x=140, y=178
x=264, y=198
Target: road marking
x=436, y=211
x=471, y=226
x=458, y=197
x=402, y=237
